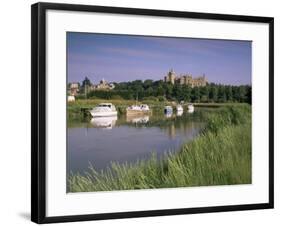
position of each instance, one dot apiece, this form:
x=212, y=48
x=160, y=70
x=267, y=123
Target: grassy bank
x=221, y=155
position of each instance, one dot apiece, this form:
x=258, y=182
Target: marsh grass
x=220, y=155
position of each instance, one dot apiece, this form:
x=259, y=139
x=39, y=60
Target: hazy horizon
x=122, y=58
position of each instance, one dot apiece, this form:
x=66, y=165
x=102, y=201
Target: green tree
x=204, y=94
x=213, y=94
x=160, y=91
x=147, y=84
x=249, y=95
x=168, y=90
x=148, y=89
x=242, y=94
x=186, y=93
x=228, y=92
x=195, y=95
x=221, y=94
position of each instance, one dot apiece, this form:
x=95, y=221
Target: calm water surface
x=101, y=141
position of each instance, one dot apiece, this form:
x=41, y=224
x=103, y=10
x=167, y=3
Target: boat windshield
x=105, y=105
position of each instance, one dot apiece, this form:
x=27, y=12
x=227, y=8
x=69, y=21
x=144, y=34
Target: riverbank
x=220, y=155
x=76, y=109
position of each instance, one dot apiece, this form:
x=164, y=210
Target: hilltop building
x=104, y=85
x=171, y=77
x=73, y=89
x=185, y=79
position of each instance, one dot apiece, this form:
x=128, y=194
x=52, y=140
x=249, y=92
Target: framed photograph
x=140, y=112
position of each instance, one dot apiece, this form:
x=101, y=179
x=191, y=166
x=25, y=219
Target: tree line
x=161, y=91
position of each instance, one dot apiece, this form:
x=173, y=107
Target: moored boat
x=138, y=109
x=190, y=108
x=179, y=108
x=104, y=110
x=70, y=98
x=168, y=110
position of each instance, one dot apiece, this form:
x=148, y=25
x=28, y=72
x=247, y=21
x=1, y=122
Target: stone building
x=185, y=79
x=104, y=85
x=73, y=89
x=171, y=76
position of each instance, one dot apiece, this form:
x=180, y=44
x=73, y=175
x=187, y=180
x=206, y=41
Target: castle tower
x=171, y=76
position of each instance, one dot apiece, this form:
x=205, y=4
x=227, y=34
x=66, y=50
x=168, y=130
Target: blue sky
x=125, y=58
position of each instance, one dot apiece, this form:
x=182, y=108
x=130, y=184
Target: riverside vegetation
x=220, y=155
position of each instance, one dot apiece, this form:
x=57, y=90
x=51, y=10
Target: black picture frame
x=38, y=111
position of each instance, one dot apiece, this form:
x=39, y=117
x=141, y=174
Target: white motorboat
x=168, y=110
x=179, y=108
x=70, y=98
x=104, y=110
x=138, y=109
x=104, y=122
x=190, y=108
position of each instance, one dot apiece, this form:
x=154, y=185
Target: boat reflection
x=190, y=108
x=179, y=113
x=137, y=119
x=104, y=122
x=168, y=114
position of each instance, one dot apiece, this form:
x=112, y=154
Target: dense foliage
x=161, y=91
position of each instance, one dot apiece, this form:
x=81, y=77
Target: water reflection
x=190, y=111
x=137, y=119
x=104, y=122
x=127, y=138
x=179, y=113
x=168, y=114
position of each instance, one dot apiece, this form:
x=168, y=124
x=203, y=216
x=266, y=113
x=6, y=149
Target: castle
x=103, y=85
x=185, y=79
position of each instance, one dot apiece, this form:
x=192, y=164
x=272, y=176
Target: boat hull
x=103, y=114
x=168, y=111
x=190, y=109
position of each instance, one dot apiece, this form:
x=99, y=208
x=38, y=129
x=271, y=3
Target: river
x=103, y=140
